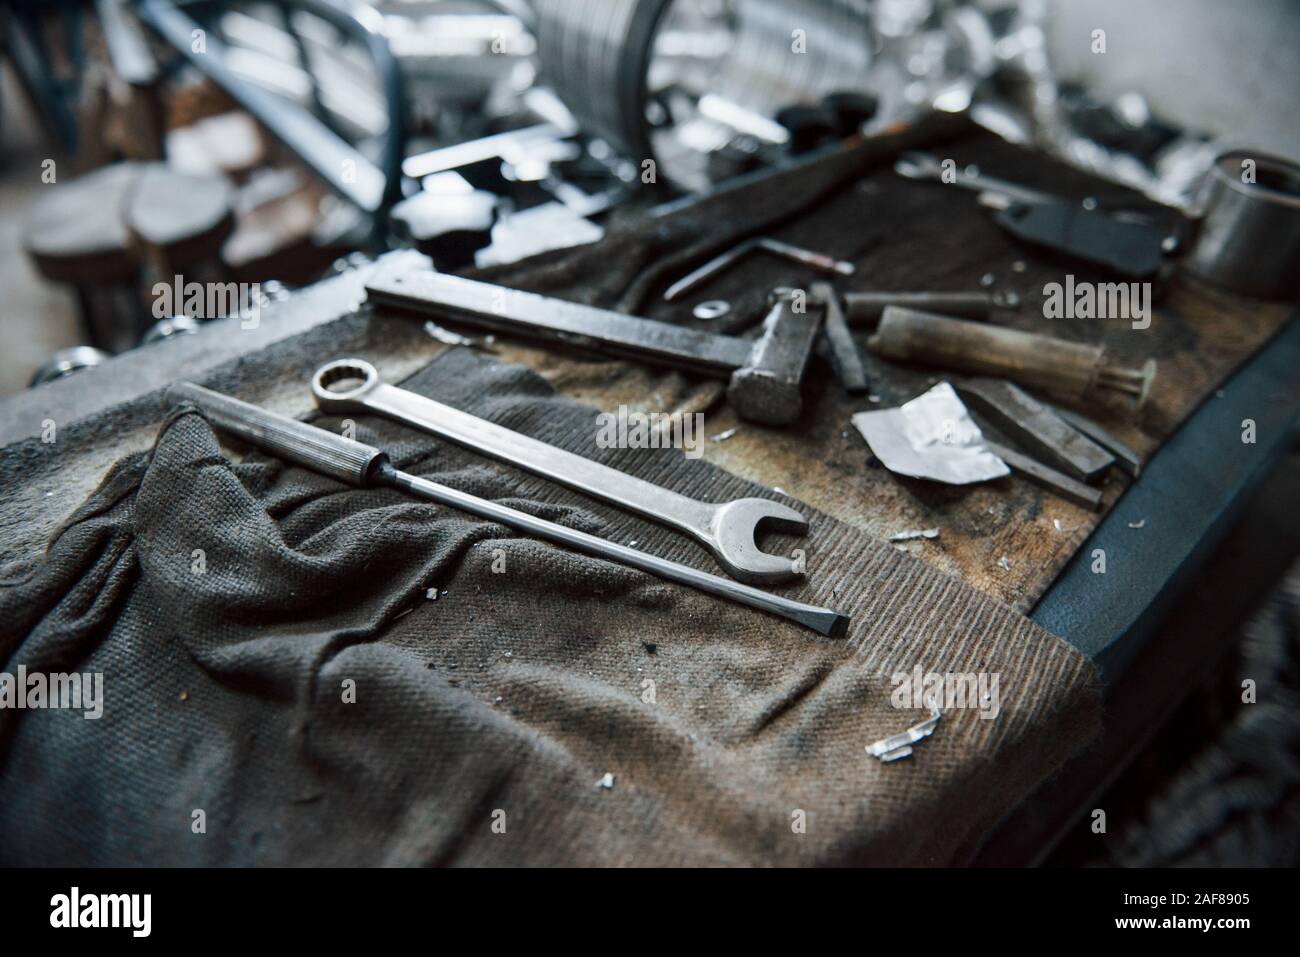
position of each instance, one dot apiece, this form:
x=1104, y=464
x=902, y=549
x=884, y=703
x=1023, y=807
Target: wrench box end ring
x=342, y=370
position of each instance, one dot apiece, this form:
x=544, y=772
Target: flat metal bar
x=844, y=351
x=1125, y=457
x=512, y=311
x=1033, y=425
x=476, y=151
x=1055, y=482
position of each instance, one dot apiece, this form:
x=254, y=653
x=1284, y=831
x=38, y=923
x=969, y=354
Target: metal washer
x=711, y=309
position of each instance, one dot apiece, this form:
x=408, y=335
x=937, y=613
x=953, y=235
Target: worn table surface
x=901, y=235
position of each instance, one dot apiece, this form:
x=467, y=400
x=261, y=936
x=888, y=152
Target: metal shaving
x=447, y=337
x=915, y=533
x=900, y=745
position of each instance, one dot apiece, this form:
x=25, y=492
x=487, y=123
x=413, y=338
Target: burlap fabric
x=484, y=718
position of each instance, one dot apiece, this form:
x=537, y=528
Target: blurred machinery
x=484, y=131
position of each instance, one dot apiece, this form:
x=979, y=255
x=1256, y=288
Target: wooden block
x=176, y=219
x=229, y=144
x=75, y=232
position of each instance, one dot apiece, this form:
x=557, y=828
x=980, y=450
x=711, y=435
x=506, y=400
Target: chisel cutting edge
x=365, y=466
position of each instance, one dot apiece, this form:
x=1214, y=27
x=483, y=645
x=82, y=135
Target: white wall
x=1227, y=66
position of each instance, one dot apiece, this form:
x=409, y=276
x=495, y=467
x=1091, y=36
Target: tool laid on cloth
x=1085, y=496
x=765, y=373
x=727, y=530
x=1125, y=242
x=1032, y=424
x=805, y=257
x=1071, y=370
x=366, y=466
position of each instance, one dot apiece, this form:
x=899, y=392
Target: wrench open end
x=735, y=532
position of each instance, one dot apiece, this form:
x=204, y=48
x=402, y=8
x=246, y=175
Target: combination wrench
x=727, y=529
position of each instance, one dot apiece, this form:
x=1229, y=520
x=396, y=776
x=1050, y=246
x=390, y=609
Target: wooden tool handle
x=1067, y=369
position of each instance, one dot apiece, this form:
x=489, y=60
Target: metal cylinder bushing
x=674, y=80
x=595, y=54
x=1249, y=237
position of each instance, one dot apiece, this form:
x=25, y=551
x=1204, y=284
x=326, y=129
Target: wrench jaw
x=734, y=530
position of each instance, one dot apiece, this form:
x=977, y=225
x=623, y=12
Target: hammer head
x=767, y=388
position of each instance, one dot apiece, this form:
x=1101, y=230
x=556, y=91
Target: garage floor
x=36, y=317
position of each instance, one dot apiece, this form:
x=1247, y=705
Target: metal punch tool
x=806, y=257
x=914, y=165
x=365, y=466
x=727, y=529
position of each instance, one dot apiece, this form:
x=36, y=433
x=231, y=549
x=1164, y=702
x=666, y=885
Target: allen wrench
x=806, y=257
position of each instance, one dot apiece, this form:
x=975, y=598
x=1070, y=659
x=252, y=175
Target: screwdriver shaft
x=823, y=620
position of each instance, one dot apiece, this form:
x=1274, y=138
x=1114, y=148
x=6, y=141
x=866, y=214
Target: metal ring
x=341, y=370
x=598, y=56
x=1249, y=234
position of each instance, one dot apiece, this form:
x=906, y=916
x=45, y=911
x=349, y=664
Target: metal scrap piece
x=900, y=745
x=931, y=437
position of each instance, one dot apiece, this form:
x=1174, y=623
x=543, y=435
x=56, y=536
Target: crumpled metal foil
x=931, y=437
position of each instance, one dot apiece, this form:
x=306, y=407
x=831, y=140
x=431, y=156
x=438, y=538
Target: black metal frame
x=22, y=39
x=1188, y=497
x=374, y=189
